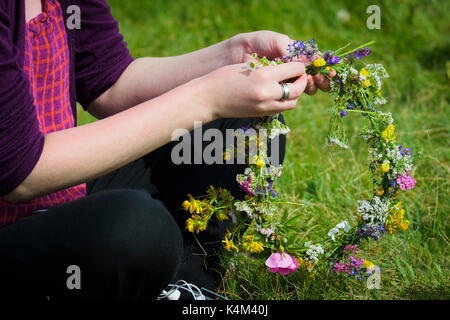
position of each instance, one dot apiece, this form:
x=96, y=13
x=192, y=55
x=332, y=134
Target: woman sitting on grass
x=121, y=228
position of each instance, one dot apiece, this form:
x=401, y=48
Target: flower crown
x=355, y=91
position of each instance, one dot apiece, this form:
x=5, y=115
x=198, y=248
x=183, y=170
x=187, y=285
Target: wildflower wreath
x=274, y=237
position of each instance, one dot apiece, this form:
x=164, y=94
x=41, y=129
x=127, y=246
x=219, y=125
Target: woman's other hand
x=272, y=45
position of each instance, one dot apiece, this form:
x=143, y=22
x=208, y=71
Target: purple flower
x=334, y=60
x=330, y=58
x=406, y=151
x=364, y=52
x=268, y=189
x=246, y=185
x=343, y=113
x=369, y=231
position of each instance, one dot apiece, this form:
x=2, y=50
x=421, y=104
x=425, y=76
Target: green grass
x=413, y=44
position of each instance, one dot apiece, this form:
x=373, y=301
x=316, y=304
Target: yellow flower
x=388, y=133
x=379, y=191
x=256, y=247
x=310, y=267
x=385, y=167
x=328, y=68
x=366, y=83
x=190, y=225
x=222, y=216
x=319, y=63
x=228, y=243
x=389, y=228
x=201, y=226
x=260, y=163
x=186, y=205
x=368, y=264
x=404, y=225
x=364, y=72
x=192, y=205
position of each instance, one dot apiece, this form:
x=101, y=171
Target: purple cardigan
x=98, y=56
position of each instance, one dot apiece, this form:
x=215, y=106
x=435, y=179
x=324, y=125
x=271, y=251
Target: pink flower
x=405, y=181
x=281, y=263
x=246, y=185
x=338, y=267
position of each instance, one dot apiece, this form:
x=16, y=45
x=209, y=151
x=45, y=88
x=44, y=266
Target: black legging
x=127, y=236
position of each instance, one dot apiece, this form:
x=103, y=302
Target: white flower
x=251, y=65
x=313, y=253
x=344, y=225
x=275, y=172
x=380, y=100
x=265, y=231
x=243, y=206
x=374, y=211
x=332, y=233
x=277, y=131
x=334, y=141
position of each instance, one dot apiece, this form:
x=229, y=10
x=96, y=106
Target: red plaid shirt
x=46, y=64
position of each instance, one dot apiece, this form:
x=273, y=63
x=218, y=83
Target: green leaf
x=293, y=219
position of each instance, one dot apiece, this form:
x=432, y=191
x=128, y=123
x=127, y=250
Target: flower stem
x=360, y=111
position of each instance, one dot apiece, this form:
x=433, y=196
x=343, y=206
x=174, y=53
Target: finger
x=281, y=44
x=286, y=70
x=298, y=87
x=322, y=82
x=280, y=106
x=295, y=89
x=311, y=87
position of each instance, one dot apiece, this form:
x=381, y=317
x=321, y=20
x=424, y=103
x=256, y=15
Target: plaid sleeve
x=21, y=141
x=101, y=55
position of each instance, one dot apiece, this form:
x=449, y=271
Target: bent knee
x=139, y=231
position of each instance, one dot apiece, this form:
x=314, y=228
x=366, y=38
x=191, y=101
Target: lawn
x=413, y=44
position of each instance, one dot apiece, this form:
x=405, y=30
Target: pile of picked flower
x=354, y=91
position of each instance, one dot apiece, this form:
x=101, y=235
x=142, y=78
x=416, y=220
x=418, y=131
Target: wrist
x=202, y=100
x=237, y=48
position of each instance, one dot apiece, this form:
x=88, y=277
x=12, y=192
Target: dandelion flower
x=385, y=167
x=320, y=63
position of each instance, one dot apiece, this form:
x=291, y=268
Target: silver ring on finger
x=285, y=91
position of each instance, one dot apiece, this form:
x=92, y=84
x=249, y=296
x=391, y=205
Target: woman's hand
x=235, y=91
x=272, y=45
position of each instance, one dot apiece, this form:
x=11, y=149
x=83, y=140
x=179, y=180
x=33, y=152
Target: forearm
x=103, y=146
x=147, y=78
